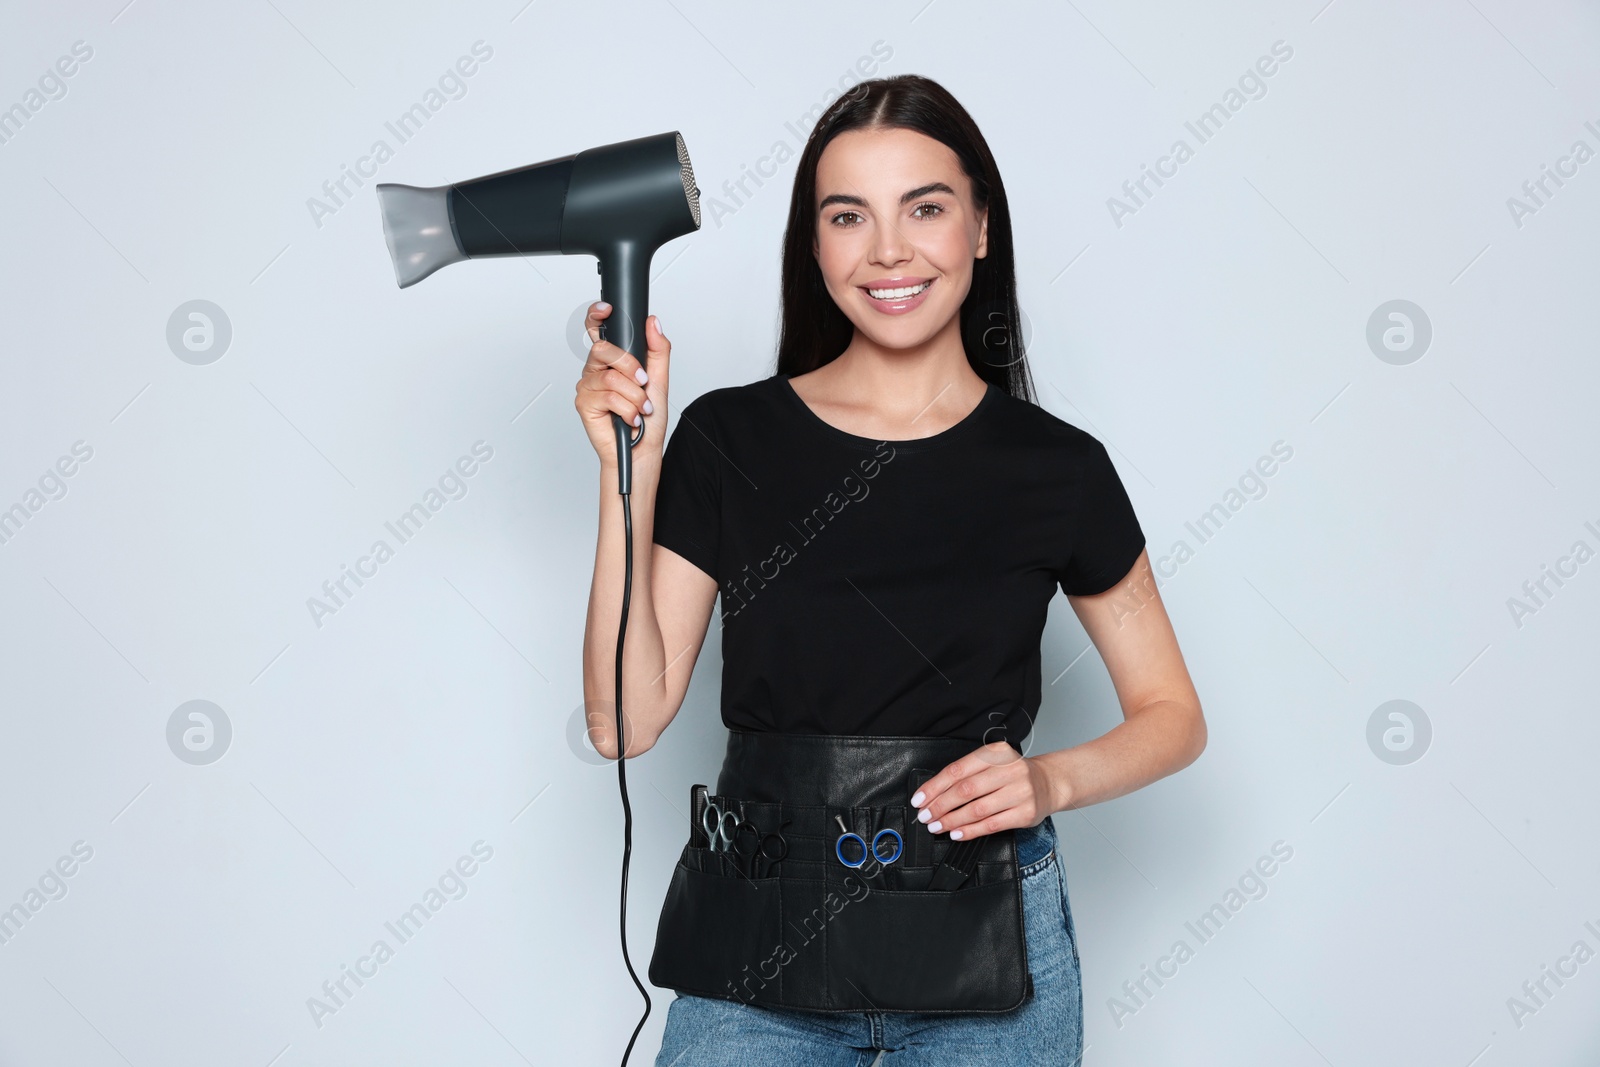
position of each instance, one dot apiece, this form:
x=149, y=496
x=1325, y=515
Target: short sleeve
x=1107, y=538
x=689, y=496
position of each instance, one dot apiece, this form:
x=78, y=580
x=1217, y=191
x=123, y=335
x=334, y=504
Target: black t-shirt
x=888, y=587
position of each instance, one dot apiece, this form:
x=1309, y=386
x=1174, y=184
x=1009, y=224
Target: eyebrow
x=905, y=198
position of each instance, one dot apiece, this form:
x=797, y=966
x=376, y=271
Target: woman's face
x=895, y=219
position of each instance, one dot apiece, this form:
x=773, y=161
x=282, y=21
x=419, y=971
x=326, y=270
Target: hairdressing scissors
x=720, y=824
x=875, y=851
x=761, y=857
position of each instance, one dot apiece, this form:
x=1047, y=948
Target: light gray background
x=432, y=710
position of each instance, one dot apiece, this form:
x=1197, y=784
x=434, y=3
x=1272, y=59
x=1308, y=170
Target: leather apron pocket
x=935, y=929
x=930, y=949
x=718, y=929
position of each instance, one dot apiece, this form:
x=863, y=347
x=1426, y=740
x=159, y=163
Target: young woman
x=886, y=519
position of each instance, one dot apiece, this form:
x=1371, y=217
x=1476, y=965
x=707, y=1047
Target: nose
x=890, y=246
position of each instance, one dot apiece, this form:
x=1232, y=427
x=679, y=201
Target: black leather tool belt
x=771, y=903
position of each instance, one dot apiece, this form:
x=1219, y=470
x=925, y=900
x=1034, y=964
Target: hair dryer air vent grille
x=689, y=188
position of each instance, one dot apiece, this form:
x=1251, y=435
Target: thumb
x=658, y=352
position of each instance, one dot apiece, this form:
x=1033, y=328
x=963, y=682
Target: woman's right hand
x=610, y=385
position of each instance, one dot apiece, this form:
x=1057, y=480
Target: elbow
x=607, y=747
x=1194, y=737
x=602, y=734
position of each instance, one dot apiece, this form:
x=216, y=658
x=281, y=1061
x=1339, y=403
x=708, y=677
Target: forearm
x=1159, y=739
x=644, y=662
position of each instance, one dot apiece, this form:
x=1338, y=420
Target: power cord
x=625, y=445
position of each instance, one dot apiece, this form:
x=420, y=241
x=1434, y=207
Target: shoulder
x=727, y=407
x=1028, y=425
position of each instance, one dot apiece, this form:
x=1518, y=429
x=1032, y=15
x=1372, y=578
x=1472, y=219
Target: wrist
x=645, y=479
x=644, y=459
x=1059, y=794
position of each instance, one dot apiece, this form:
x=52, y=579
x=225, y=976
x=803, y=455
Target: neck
x=936, y=368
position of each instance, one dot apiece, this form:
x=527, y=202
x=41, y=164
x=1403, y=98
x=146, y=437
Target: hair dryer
x=619, y=203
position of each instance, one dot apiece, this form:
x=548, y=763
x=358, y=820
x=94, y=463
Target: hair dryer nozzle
x=686, y=174
x=416, y=225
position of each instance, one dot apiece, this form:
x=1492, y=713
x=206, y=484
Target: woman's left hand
x=989, y=789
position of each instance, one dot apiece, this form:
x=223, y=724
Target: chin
x=898, y=338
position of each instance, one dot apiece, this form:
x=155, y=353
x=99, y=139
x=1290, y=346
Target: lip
x=900, y=282
x=897, y=307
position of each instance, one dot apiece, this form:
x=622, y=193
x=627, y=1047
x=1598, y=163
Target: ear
x=983, y=235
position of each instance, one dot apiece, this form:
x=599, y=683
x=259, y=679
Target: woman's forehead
x=886, y=165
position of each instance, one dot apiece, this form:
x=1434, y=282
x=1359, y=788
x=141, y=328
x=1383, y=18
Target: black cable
x=622, y=775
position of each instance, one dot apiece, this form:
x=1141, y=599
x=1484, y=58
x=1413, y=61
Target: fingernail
x=637, y=420
x=934, y=827
x=658, y=327
x=602, y=305
x=649, y=408
x=955, y=835
x=916, y=801
x=641, y=376
x=924, y=815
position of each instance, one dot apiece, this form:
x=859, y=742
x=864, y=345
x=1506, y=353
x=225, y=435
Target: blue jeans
x=1046, y=1029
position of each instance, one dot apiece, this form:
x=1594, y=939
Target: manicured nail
x=933, y=827
x=640, y=376
x=649, y=408
x=637, y=420
x=916, y=801
x=602, y=305
x=955, y=835
x=659, y=330
x=924, y=815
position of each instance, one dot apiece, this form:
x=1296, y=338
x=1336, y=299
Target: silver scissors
x=720, y=825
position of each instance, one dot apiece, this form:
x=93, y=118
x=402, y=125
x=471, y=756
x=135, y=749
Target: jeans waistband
x=1034, y=843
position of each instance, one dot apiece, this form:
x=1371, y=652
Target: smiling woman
x=897, y=246
x=864, y=689
x=898, y=191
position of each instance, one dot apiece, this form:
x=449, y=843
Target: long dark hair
x=813, y=331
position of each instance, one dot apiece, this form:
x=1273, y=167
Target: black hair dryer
x=619, y=202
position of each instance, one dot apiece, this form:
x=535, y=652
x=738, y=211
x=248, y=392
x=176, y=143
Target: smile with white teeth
x=898, y=294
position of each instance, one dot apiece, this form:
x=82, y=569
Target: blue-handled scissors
x=875, y=851
x=720, y=825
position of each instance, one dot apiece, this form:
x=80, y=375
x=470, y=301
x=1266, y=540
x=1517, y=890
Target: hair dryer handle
x=625, y=285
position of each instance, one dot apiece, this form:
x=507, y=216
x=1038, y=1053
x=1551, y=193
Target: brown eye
x=841, y=215
x=938, y=209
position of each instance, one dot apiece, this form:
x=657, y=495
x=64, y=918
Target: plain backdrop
x=352, y=758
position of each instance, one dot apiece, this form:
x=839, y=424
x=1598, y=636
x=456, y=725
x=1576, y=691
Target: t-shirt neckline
x=871, y=444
